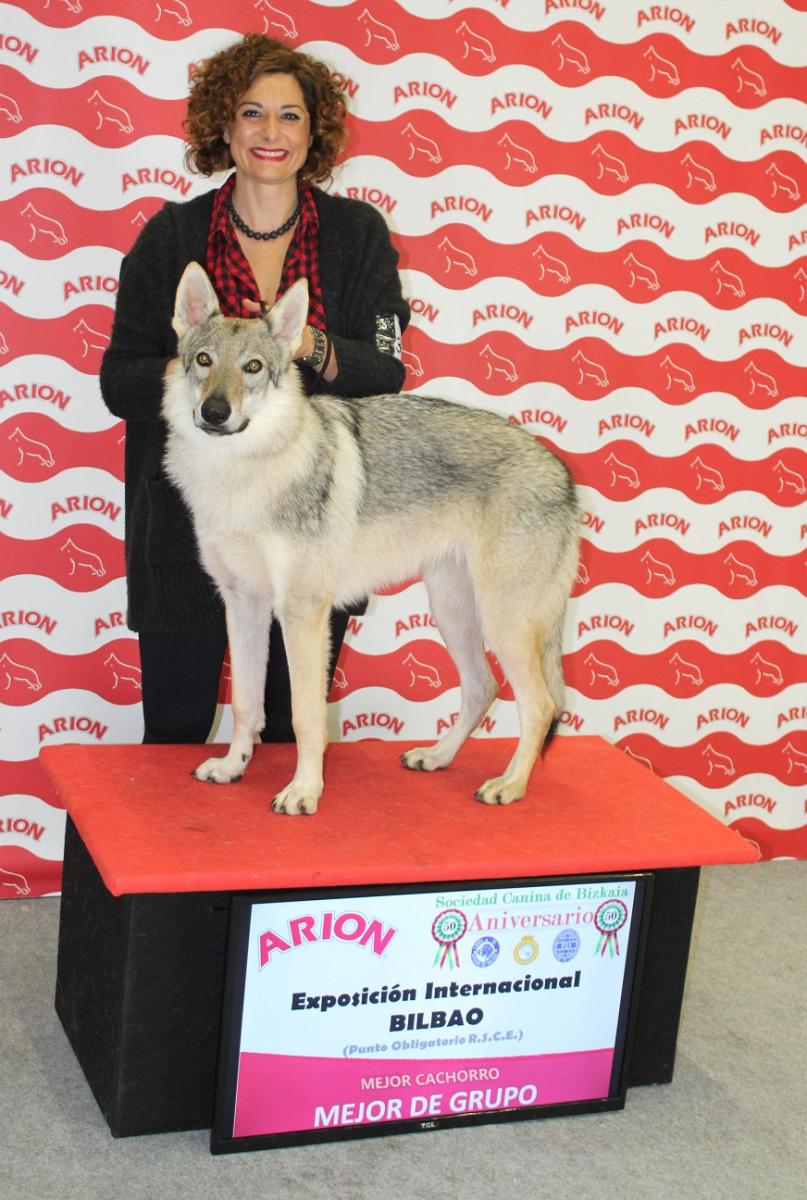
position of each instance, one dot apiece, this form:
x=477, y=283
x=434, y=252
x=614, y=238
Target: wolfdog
x=301, y=503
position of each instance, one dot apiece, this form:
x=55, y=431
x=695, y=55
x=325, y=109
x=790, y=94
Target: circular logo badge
x=485, y=951
x=566, y=945
x=526, y=951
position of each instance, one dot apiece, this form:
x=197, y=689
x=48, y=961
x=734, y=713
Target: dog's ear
x=288, y=317
x=195, y=300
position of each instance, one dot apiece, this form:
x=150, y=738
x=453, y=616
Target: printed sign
x=351, y=1013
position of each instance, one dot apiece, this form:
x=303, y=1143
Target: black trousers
x=181, y=681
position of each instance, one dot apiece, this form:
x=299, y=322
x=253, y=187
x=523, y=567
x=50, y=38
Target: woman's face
x=270, y=134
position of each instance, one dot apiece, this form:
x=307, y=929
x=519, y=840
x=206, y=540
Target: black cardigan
x=167, y=588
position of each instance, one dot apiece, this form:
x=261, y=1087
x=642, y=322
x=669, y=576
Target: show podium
x=153, y=859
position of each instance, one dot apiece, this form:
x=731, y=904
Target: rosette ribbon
x=447, y=929
x=608, y=920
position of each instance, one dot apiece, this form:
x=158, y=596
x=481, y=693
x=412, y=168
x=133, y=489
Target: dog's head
x=232, y=365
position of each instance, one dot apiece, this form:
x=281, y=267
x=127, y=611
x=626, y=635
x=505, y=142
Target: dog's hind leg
x=519, y=652
x=522, y=594
x=307, y=642
x=518, y=645
x=248, y=620
x=453, y=607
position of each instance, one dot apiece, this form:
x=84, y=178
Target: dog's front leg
x=248, y=620
x=307, y=642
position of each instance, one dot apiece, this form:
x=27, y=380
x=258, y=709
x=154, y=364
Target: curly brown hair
x=219, y=83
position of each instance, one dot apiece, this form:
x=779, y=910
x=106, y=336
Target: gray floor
x=731, y=1126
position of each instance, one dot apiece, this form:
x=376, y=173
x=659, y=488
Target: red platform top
x=151, y=827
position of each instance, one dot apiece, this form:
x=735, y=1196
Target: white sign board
x=371, y=1011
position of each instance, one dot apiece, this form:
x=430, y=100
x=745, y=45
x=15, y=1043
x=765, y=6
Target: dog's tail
x=552, y=664
x=552, y=643
x=552, y=668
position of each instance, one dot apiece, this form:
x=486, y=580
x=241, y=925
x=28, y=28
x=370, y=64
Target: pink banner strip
x=280, y=1093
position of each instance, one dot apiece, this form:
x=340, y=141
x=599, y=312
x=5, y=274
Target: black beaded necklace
x=254, y=233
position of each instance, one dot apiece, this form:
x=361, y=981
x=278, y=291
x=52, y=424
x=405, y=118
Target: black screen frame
x=223, y=1141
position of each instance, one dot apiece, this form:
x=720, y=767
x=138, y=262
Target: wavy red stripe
x=33, y=447
x=46, y=225
x=519, y=154
x=477, y=43
x=108, y=111
x=80, y=558
x=419, y=671
x=78, y=338
x=111, y=113
x=499, y=363
x=422, y=670
x=684, y=669
x=27, y=778
x=24, y=875
x=459, y=257
x=774, y=843
x=707, y=474
x=32, y=671
x=660, y=567
x=717, y=760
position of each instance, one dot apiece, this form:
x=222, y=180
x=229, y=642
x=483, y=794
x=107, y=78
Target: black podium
x=153, y=859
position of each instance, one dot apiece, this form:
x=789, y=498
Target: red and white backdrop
x=600, y=212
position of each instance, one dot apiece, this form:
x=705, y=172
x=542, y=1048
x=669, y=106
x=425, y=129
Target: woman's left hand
x=253, y=308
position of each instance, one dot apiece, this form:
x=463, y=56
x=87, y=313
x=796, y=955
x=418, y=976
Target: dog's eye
x=254, y=366
x=203, y=359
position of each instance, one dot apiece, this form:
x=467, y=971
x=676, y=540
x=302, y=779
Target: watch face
x=320, y=344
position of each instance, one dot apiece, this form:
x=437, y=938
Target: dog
x=302, y=503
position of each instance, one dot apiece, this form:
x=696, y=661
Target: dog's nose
x=215, y=410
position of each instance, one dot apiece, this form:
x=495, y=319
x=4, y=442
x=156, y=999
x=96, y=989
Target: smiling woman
x=273, y=118
x=269, y=138
x=270, y=134
x=277, y=116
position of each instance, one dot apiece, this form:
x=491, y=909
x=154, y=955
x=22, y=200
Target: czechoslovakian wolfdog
x=301, y=503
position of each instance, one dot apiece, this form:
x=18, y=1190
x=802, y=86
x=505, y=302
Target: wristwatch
x=316, y=359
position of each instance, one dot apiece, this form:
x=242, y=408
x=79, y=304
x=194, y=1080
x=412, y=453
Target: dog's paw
x=499, y=791
x=221, y=770
x=295, y=799
x=423, y=758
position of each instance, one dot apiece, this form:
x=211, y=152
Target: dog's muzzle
x=214, y=414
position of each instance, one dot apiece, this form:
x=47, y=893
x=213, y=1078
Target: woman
x=276, y=116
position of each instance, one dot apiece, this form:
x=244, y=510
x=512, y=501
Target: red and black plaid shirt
x=231, y=274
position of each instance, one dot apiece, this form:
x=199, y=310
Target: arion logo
x=326, y=927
